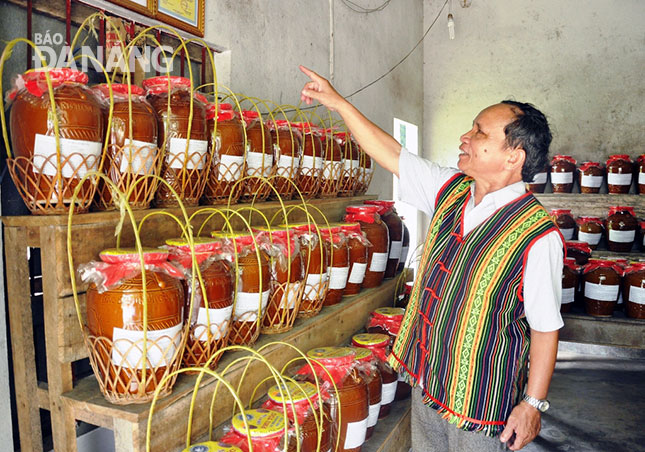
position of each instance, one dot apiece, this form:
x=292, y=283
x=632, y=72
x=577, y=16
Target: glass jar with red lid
x=621, y=226
x=590, y=177
x=563, y=167
x=366, y=173
x=405, y=248
x=228, y=165
x=602, y=279
x=538, y=184
x=565, y=222
x=287, y=145
x=115, y=316
x=44, y=173
x=580, y=251
x=377, y=233
x=338, y=262
x=259, y=156
x=183, y=131
x=132, y=151
x=358, y=256
x=590, y=230
x=395, y=231
x=287, y=278
x=252, y=267
x=634, y=290
x=333, y=165
x=311, y=166
x=351, y=166
x=385, y=320
x=368, y=366
x=315, y=256
x=640, y=173
x=619, y=174
x=350, y=397
x=379, y=344
x=570, y=275
x=267, y=429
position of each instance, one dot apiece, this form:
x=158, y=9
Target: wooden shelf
x=618, y=331
x=594, y=205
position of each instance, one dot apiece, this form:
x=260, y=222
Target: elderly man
x=487, y=296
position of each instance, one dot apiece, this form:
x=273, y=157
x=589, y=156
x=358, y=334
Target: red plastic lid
x=408, y=287
x=250, y=115
x=118, y=88
x=306, y=127
x=351, y=227
x=560, y=158
x=225, y=106
x=201, y=244
x=225, y=115
x=332, y=356
x=616, y=209
x=200, y=97
x=131, y=255
x=280, y=124
x=384, y=205
x=557, y=212
x=156, y=85
x=241, y=239
x=586, y=165
x=366, y=208
x=613, y=158
x=570, y=263
x=36, y=81
x=640, y=158
x=579, y=246
x=594, y=264
x=642, y=225
x=585, y=220
x=634, y=267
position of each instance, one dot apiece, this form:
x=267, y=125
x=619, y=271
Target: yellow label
x=390, y=312
x=128, y=251
x=184, y=242
x=299, y=392
x=370, y=339
x=261, y=423
x=330, y=352
x=363, y=353
x=212, y=446
x=229, y=235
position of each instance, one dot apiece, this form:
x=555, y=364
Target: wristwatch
x=540, y=405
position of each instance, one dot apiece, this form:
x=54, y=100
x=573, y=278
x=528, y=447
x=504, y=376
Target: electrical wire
x=361, y=9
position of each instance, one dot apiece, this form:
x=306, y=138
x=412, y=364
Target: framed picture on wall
x=146, y=7
x=187, y=15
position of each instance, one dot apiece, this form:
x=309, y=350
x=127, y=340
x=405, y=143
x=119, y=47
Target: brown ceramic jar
x=538, y=184
x=580, y=251
x=570, y=274
x=634, y=290
x=187, y=158
x=368, y=367
x=228, y=162
x=590, y=230
x=252, y=290
x=395, y=232
x=115, y=317
x=287, y=145
x=404, y=298
x=590, y=177
x=563, y=167
x=337, y=244
x=640, y=174
x=358, y=254
x=621, y=228
x=565, y=222
x=641, y=240
x=333, y=165
x=405, y=248
x=129, y=157
x=601, y=287
x=351, y=165
x=619, y=174
x=35, y=167
x=259, y=156
x=377, y=233
x=311, y=166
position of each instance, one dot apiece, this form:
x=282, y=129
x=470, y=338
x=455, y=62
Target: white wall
x=269, y=39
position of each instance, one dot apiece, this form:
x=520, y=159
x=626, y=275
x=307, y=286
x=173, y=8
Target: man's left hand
x=522, y=427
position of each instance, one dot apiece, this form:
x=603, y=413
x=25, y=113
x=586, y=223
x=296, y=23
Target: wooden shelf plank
x=335, y=324
x=596, y=205
x=392, y=434
x=619, y=330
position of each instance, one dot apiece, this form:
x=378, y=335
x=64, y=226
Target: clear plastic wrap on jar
x=338, y=268
x=358, y=256
x=351, y=173
x=333, y=165
x=267, y=430
x=287, y=147
x=369, y=368
x=260, y=162
x=311, y=167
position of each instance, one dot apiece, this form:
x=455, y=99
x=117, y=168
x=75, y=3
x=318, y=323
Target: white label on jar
x=85, y=159
x=591, y=181
x=351, y=165
x=137, y=157
x=379, y=262
x=404, y=254
x=358, y=273
x=286, y=161
x=311, y=162
x=332, y=170
x=622, y=236
x=290, y=297
x=219, y=320
x=197, y=149
x=338, y=277
x=601, y=292
x=314, y=285
x=395, y=249
x=355, y=435
x=372, y=417
x=388, y=391
x=248, y=303
x=561, y=178
x=567, y=233
x=230, y=167
x=258, y=161
x=619, y=179
x=539, y=178
x=568, y=294
x=127, y=347
x=637, y=294
x=589, y=237
x=641, y=178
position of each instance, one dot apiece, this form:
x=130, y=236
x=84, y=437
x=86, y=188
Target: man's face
x=483, y=148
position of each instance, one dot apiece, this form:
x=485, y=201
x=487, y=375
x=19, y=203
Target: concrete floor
x=597, y=400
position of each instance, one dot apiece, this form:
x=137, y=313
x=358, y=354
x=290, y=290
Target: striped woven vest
x=464, y=336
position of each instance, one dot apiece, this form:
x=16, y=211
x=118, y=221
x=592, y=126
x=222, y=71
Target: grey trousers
x=432, y=433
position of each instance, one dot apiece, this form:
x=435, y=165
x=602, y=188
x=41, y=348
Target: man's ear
x=516, y=158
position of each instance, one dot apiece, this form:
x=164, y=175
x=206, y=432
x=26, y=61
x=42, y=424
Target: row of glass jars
x=621, y=229
x=163, y=113
x=619, y=174
x=603, y=286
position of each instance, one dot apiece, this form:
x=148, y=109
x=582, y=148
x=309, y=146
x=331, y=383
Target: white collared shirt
x=419, y=183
